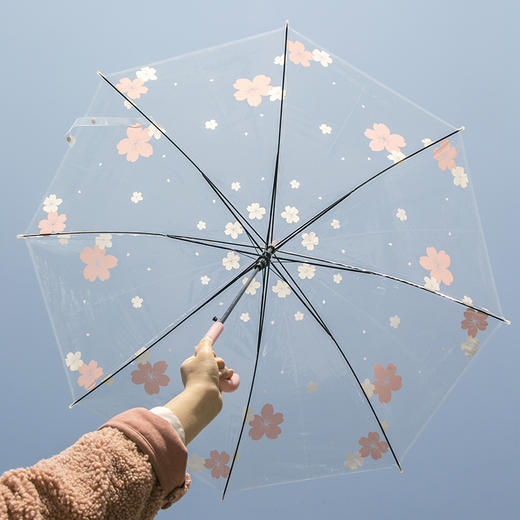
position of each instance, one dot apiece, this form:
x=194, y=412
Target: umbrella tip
x=19, y=236
x=507, y=322
x=99, y=73
x=461, y=129
x=401, y=471
x=286, y=23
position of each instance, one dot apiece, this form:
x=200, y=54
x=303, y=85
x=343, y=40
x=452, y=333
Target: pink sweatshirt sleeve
x=131, y=467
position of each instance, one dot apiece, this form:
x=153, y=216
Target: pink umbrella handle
x=225, y=385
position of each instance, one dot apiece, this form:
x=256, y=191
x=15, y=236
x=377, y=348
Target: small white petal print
x=51, y=203
x=233, y=229
x=154, y=131
x=460, y=178
x=290, y=214
x=395, y=321
x=136, y=197
x=306, y=271
x=354, y=460
x=335, y=224
x=255, y=211
x=196, y=463
x=321, y=57
x=146, y=74
x=245, y=317
x=64, y=239
x=401, y=214
x=127, y=104
x=294, y=184
x=426, y=141
x=368, y=388
x=278, y=60
x=104, y=240
x=298, y=316
x=201, y=225
x=275, y=93
x=470, y=346
x=253, y=286
x=309, y=240
x=281, y=289
x=312, y=387
x=143, y=356
x=211, y=124
x=235, y=186
x=337, y=278
x=467, y=300
x=325, y=129
x=395, y=156
x=431, y=284
x=137, y=302
x=73, y=360
x=231, y=261
x=204, y=280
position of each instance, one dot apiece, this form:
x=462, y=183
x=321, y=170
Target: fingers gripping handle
x=225, y=385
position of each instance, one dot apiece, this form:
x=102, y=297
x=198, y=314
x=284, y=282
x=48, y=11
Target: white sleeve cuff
x=169, y=416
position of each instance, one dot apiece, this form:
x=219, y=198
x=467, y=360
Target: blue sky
x=458, y=63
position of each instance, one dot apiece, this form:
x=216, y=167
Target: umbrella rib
x=220, y=195
x=307, y=303
x=272, y=209
x=344, y=267
x=351, y=192
x=265, y=282
x=171, y=329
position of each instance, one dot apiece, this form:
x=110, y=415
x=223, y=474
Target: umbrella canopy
x=377, y=292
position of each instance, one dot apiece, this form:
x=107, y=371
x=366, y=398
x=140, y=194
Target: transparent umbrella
x=328, y=220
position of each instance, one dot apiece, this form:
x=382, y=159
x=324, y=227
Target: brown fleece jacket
x=131, y=467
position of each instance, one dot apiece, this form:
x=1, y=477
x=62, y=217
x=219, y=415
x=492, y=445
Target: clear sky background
x=457, y=59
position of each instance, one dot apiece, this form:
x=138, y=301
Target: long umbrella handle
x=225, y=385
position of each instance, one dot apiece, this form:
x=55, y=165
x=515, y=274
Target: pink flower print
x=372, y=446
x=298, y=54
x=89, y=375
x=437, y=264
x=135, y=144
x=445, y=155
x=151, y=377
x=217, y=464
x=54, y=223
x=381, y=138
x=133, y=89
x=386, y=381
x=267, y=424
x=474, y=322
x=98, y=263
x=252, y=91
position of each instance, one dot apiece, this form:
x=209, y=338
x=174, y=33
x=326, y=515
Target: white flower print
x=431, y=284
x=127, y=104
x=312, y=387
x=104, y=240
x=231, y=261
x=253, y=286
x=335, y=224
x=294, y=184
x=354, y=460
x=137, y=302
x=245, y=317
x=309, y=240
x=73, y=360
x=401, y=214
x=337, y=278
x=281, y=289
x=255, y=211
x=394, y=321
x=298, y=316
x=51, y=203
x=306, y=271
x=250, y=414
x=426, y=141
x=321, y=57
x=64, y=239
x=235, y=186
x=201, y=225
x=384, y=424
x=278, y=60
x=146, y=74
x=211, y=124
x=290, y=214
x=470, y=346
x=460, y=178
x=395, y=156
x=275, y=93
x=233, y=229
x=368, y=388
x=325, y=129
x=154, y=131
x=467, y=300
x=136, y=197
x=196, y=463
x=204, y=280
x=143, y=356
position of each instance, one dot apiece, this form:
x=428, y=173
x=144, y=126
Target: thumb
x=204, y=347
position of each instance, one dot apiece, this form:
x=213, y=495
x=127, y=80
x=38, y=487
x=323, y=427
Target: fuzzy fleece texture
x=131, y=467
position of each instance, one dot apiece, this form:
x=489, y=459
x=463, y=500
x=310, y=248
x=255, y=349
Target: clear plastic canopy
x=376, y=299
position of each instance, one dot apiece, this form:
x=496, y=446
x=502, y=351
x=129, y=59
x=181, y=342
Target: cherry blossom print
x=231, y=261
x=474, y=321
x=437, y=263
x=104, y=240
x=298, y=55
x=281, y=289
x=51, y=203
x=217, y=463
x=445, y=154
x=337, y=278
x=386, y=382
x=89, y=375
x=204, y=280
x=252, y=91
x=211, y=124
x=256, y=211
x=401, y=214
x=290, y=214
x=470, y=346
x=426, y=141
x=245, y=317
x=135, y=144
x=394, y=321
x=98, y=264
x=381, y=138
x=233, y=229
x=143, y=356
x=155, y=132
x=460, y=178
x=132, y=88
x=146, y=74
x=294, y=184
x=266, y=424
x=467, y=300
x=73, y=360
x=309, y=240
x=136, y=197
x=368, y=387
x=321, y=57
x=372, y=446
x=335, y=224
x=64, y=239
x=201, y=225
x=306, y=271
x=275, y=93
x=235, y=186
x=396, y=156
x=325, y=129
x=195, y=463
x=354, y=460
x=312, y=387
x=152, y=377
x=278, y=60
x=431, y=284
x=54, y=223
x=137, y=302
x=253, y=286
